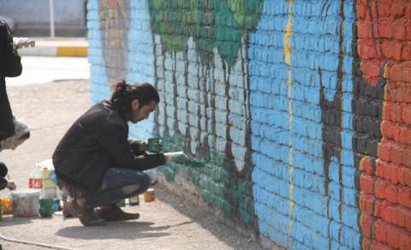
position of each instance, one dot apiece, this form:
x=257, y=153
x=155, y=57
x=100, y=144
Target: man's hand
x=11, y=185
x=178, y=157
x=138, y=147
x=20, y=42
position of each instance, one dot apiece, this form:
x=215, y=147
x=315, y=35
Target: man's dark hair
x=125, y=93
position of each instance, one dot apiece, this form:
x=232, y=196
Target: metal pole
x=51, y=8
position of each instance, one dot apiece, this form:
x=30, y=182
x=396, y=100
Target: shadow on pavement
x=207, y=219
x=13, y=221
x=129, y=230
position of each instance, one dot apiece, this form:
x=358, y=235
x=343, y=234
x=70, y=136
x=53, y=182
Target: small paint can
x=134, y=200
x=149, y=195
x=154, y=145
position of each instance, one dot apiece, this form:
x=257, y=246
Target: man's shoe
x=89, y=218
x=70, y=207
x=114, y=213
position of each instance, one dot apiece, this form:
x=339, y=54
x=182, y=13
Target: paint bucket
x=149, y=195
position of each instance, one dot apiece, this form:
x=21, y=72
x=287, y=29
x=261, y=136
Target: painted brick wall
x=384, y=48
x=295, y=114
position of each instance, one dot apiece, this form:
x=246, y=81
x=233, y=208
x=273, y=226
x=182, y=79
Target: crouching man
x=95, y=163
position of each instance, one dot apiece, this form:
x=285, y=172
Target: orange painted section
x=384, y=46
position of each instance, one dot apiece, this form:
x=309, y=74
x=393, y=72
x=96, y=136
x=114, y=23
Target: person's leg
x=118, y=184
x=3, y=183
x=3, y=169
x=74, y=205
x=6, y=116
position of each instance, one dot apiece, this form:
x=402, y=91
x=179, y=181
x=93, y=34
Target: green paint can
x=154, y=145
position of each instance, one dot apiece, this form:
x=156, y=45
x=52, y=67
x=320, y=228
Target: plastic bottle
x=7, y=205
x=48, y=190
x=47, y=181
x=36, y=178
x=56, y=205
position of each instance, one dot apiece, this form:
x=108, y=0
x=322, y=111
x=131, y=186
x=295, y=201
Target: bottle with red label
x=36, y=178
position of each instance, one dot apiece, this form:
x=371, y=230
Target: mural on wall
x=115, y=26
x=295, y=114
x=300, y=150
x=381, y=106
x=210, y=38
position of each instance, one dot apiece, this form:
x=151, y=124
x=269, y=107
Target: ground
x=170, y=222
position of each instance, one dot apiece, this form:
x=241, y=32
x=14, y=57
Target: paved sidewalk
x=170, y=222
x=59, y=46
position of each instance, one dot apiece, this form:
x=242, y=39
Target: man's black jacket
x=95, y=142
x=10, y=61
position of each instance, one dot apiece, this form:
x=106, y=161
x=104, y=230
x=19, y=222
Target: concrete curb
x=63, y=48
x=72, y=51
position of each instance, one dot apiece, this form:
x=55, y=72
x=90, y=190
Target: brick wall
x=384, y=49
x=294, y=114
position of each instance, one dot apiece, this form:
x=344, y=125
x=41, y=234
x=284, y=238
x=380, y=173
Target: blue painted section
x=270, y=123
x=320, y=220
x=140, y=45
x=99, y=87
x=350, y=234
x=315, y=44
x=140, y=52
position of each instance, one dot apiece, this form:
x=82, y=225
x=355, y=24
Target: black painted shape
x=367, y=106
x=331, y=118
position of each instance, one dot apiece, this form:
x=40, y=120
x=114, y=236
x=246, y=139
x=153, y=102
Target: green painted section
x=213, y=25
x=214, y=184
x=220, y=24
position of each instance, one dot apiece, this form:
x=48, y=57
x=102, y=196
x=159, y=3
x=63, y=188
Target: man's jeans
x=118, y=184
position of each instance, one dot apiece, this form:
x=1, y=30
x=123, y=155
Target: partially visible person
x=95, y=163
x=4, y=181
x=10, y=66
x=12, y=132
